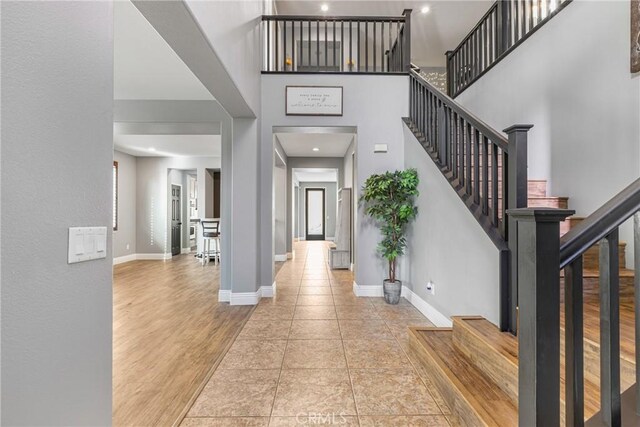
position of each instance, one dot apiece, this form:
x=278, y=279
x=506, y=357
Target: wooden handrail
x=600, y=224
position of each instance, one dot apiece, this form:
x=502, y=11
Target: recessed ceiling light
x=152, y=149
x=316, y=149
x=324, y=7
x=425, y=9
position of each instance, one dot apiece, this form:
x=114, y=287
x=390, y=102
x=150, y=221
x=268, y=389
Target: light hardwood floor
x=169, y=331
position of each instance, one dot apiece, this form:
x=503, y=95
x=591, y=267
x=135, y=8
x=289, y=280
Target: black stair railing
x=337, y=44
x=506, y=24
x=486, y=169
x=542, y=255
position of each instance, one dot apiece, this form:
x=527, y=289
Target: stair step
x=494, y=354
x=569, y=223
x=475, y=367
x=548, y=202
x=472, y=396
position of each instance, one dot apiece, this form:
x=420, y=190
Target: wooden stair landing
x=475, y=368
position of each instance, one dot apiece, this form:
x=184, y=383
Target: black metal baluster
x=494, y=184
x=505, y=191
x=284, y=45
x=468, y=176
x=326, y=48
x=293, y=45
x=309, y=48
x=574, y=364
x=350, y=48
x=366, y=46
x=610, y=330
x=318, y=45
x=335, y=50
x=277, y=47
x=485, y=175
x=476, y=168
x=268, y=58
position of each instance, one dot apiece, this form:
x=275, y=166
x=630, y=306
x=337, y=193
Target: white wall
x=571, y=81
x=375, y=105
x=445, y=244
x=56, y=170
x=126, y=233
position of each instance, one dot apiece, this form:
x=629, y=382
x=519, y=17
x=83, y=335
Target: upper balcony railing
x=505, y=25
x=337, y=44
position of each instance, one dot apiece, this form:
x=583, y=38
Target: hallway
x=317, y=354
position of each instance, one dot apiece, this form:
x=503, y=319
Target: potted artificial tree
x=389, y=199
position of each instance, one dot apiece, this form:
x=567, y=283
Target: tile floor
x=317, y=355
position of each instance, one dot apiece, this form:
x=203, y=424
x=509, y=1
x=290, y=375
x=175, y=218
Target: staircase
x=475, y=368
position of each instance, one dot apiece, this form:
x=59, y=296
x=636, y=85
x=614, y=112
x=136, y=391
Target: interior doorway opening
x=315, y=213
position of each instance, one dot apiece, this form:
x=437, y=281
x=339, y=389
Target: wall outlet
x=431, y=287
x=127, y=246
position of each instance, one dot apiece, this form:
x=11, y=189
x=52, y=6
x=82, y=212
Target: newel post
x=449, y=73
x=406, y=51
x=516, y=196
x=539, y=307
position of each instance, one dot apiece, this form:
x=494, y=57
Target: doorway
x=315, y=214
x=176, y=220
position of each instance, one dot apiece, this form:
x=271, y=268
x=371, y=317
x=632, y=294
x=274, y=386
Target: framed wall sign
x=313, y=100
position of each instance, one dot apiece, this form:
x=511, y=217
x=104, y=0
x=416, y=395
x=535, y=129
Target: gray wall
x=330, y=206
x=306, y=162
x=376, y=114
x=152, y=205
x=56, y=166
x=446, y=244
x=126, y=233
x=571, y=80
x=280, y=209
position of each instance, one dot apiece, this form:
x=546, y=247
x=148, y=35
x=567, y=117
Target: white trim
x=251, y=298
x=224, y=295
x=185, y=251
x=437, y=318
x=245, y=298
x=330, y=239
x=351, y=267
x=280, y=257
x=124, y=258
x=268, y=291
x=159, y=257
x=367, y=290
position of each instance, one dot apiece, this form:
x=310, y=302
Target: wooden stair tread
x=492, y=405
x=502, y=344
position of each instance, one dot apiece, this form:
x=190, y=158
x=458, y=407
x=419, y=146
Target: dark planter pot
x=392, y=291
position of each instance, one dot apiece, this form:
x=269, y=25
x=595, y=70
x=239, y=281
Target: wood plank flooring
x=169, y=332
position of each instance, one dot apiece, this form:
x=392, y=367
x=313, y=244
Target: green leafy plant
x=389, y=199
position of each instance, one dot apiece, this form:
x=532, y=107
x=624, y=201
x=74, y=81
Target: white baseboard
x=251, y=298
x=142, y=257
x=437, y=318
x=289, y=255
x=125, y=258
x=280, y=257
x=224, y=295
x=367, y=290
x=185, y=251
x=268, y=291
x=147, y=257
x=351, y=267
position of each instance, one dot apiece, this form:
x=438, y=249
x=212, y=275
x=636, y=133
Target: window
x=115, y=196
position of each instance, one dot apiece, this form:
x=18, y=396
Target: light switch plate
x=87, y=243
x=380, y=148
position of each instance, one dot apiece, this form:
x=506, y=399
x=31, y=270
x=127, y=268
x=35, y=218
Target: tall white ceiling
x=169, y=145
x=432, y=34
x=145, y=66
x=302, y=144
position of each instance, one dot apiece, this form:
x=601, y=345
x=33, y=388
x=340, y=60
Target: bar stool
x=210, y=233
